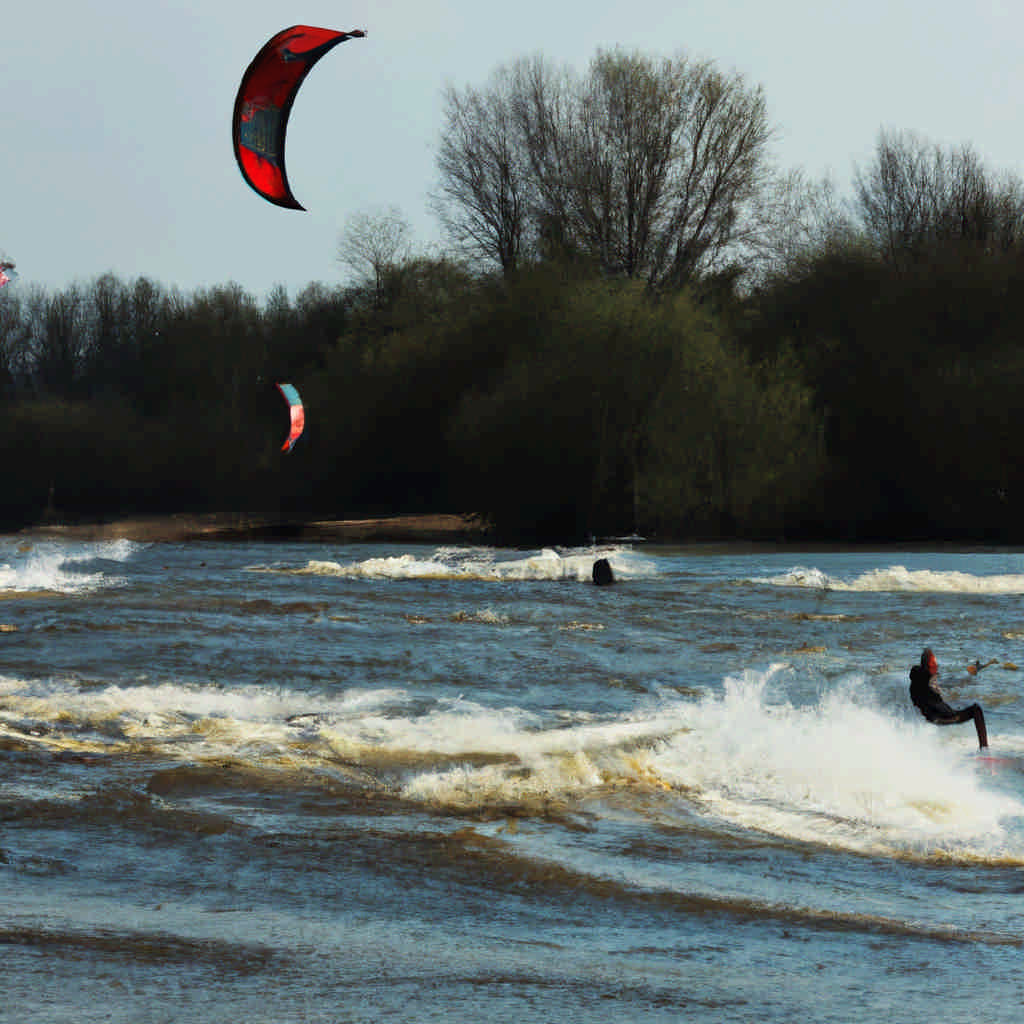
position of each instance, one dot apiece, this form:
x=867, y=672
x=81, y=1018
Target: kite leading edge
x=264, y=101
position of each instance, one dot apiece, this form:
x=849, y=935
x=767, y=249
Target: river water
x=339, y=783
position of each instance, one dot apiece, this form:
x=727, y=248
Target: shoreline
x=427, y=528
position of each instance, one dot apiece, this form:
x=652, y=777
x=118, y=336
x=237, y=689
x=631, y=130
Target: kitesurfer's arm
x=977, y=666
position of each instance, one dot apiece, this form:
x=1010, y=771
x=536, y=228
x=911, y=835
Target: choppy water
x=328, y=783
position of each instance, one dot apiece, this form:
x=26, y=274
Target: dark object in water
x=602, y=572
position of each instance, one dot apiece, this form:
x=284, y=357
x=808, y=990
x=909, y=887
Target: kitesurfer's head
x=928, y=661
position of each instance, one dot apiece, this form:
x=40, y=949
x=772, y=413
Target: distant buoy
x=602, y=572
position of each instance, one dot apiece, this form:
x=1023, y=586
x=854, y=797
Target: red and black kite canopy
x=264, y=102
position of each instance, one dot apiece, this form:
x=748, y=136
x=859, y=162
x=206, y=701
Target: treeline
x=644, y=329
x=555, y=406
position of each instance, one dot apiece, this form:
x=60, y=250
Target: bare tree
x=107, y=309
x=59, y=343
x=917, y=197
x=13, y=333
x=719, y=172
x=483, y=196
x=648, y=167
x=602, y=151
x=798, y=221
x=373, y=243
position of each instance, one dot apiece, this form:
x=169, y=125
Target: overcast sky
x=115, y=149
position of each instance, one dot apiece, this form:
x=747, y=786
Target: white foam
x=119, y=550
x=484, y=616
x=168, y=714
x=477, y=563
x=899, y=578
x=842, y=771
x=52, y=567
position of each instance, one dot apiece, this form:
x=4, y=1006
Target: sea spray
x=60, y=569
x=842, y=771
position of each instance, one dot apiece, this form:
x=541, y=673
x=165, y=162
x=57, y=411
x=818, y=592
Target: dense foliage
x=847, y=400
x=557, y=405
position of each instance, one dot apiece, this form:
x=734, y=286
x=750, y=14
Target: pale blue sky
x=116, y=149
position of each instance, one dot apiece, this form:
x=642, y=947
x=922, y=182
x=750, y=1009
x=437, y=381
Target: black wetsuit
x=928, y=700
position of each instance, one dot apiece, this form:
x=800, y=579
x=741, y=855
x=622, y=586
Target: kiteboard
x=999, y=762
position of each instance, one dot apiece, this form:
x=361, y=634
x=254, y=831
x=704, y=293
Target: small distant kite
x=298, y=415
x=7, y=272
x=264, y=102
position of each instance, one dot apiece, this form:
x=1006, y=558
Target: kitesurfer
x=928, y=699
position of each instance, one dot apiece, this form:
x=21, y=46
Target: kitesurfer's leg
x=979, y=724
x=969, y=714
